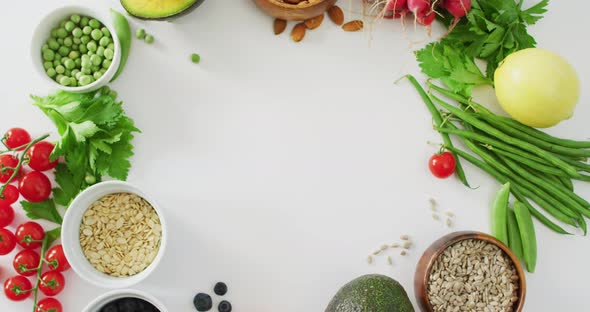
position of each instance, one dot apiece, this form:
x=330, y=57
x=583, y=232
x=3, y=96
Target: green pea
x=75, y=18
x=78, y=74
x=87, y=70
x=60, y=69
x=84, y=21
x=104, y=41
x=140, y=34
x=51, y=72
x=56, y=63
x=44, y=48
x=48, y=55
x=111, y=46
x=60, y=41
x=74, y=72
x=86, y=63
x=77, y=32
x=69, y=26
x=87, y=30
x=67, y=73
x=78, y=63
x=58, y=77
x=109, y=54
x=63, y=51
x=83, y=49
x=74, y=55
x=77, y=40
x=54, y=33
x=96, y=34
x=103, y=70
x=85, y=39
x=85, y=57
x=91, y=46
x=47, y=65
x=62, y=23
x=96, y=60
x=68, y=42
x=62, y=33
x=149, y=39
x=53, y=45
x=94, y=23
x=73, y=82
x=64, y=59
x=64, y=81
x=85, y=80
x=100, y=51
x=70, y=64
x=106, y=64
x=95, y=68
x=75, y=47
x=97, y=75
x=105, y=32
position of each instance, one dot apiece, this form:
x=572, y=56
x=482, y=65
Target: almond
x=336, y=15
x=353, y=26
x=279, y=26
x=298, y=32
x=314, y=22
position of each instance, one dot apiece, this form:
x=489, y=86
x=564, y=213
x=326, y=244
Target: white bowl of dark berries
x=203, y=302
x=125, y=300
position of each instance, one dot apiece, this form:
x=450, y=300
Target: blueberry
x=203, y=302
x=220, y=289
x=111, y=307
x=224, y=306
x=128, y=305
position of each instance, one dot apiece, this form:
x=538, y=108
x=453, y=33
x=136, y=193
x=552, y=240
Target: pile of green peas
x=78, y=52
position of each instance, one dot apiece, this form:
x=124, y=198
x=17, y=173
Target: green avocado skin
x=371, y=293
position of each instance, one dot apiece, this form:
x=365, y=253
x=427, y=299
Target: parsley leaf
x=534, y=13
x=53, y=235
x=43, y=210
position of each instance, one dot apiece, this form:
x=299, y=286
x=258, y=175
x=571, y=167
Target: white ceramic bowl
x=101, y=301
x=71, y=235
x=43, y=32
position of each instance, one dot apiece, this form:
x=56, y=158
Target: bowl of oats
x=469, y=271
x=113, y=235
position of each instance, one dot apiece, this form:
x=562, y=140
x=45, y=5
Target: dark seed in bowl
x=220, y=289
x=129, y=305
x=203, y=302
x=224, y=306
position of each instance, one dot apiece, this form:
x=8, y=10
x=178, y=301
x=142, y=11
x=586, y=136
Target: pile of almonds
x=335, y=13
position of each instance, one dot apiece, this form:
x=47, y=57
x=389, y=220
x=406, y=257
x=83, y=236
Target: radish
x=426, y=20
x=395, y=5
x=457, y=8
x=419, y=7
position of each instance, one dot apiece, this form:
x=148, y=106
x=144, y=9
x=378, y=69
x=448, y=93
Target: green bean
x=498, y=213
x=574, y=163
x=531, y=163
x=583, y=226
x=515, y=190
x=514, y=240
x=438, y=121
x=566, y=182
x=468, y=118
x=563, y=189
x=511, y=122
x=123, y=31
x=527, y=235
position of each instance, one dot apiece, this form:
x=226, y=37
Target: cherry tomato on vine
x=35, y=186
x=39, y=156
x=10, y=195
x=7, y=161
x=29, y=235
x=49, y=305
x=17, y=137
x=6, y=214
x=442, y=165
x=56, y=259
x=7, y=242
x=26, y=262
x=17, y=288
x=52, y=283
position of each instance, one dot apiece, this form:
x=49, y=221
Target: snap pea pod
x=511, y=122
x=468, y=118
x=514, y=240
x=498, y=213
x=515, y=191
x=438, y=121
x=123, y=31
x=527, y=235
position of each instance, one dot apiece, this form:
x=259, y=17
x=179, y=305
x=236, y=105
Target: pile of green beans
x=539, y=167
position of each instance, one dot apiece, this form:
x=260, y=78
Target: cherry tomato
x=35, y=186
x=17, y=288
x=26, y=262
x=49, y=305
x=17, y=137
x=39, y=156
x=9, y=195
x=29, y=235
x=442, y=165
x=52, y=283
x=7, y=242
x=7, y=161
x=56, y=259
x=6, y=214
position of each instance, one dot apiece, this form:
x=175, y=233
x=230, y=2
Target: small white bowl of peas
x=76, y=49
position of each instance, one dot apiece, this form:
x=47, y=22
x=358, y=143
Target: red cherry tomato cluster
x=29, y=159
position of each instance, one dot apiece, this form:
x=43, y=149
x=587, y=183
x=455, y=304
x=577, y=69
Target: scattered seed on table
x=449, y=223
x=407, y=245
x=389, y=260
x=435, y=217
x=395, y=245
x=384, y=247
x=376, y=252
x=403, y=253
x=433, y=204
x=449, y=214
x=370, y=259
x=404, y=237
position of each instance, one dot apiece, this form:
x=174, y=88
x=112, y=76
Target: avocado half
x=159, y=9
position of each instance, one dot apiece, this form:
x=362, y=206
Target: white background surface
x=281, y=166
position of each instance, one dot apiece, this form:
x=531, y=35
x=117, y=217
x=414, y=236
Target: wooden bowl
x=294, y=12
x=438, y=247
